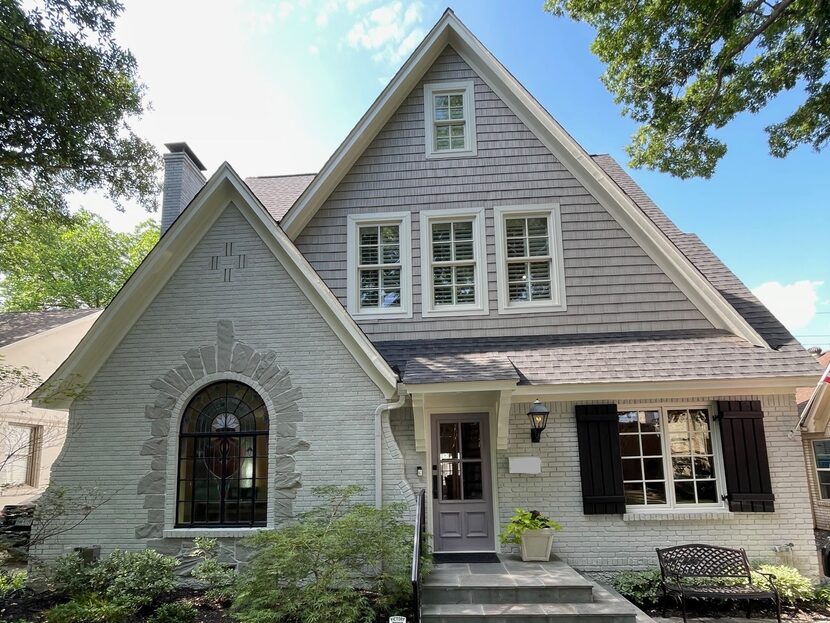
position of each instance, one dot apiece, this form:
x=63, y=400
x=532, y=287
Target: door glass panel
x=473, y=484
x=449, y=440
x=450, y=481
x=470, y=440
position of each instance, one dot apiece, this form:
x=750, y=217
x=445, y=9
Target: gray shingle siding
x=611, y=284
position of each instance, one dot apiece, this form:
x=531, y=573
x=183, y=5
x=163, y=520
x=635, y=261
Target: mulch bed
x=735, y=609
x=28, y=606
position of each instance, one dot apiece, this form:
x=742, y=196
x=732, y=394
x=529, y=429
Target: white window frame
x=31, y=458
x=481, y=305
x=717, y=450
x=818, y=469
x=557, y=301
x=353, y=223
x=467, y=89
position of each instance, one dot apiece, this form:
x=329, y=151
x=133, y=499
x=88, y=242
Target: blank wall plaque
x=525, y=464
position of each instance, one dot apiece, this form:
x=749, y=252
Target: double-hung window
x=821, y=453
x=378, y=265
x=454, y=263
x=20, y=448
x=529, y=259
x=669, y=458
x=449, y=109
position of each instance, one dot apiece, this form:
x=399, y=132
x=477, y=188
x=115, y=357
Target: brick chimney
x=183, y=178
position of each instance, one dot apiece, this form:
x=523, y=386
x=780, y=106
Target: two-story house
x=390, y=321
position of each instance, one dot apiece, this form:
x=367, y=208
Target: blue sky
x=274, y=86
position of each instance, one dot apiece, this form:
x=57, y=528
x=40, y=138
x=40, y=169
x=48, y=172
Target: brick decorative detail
x=237, y=361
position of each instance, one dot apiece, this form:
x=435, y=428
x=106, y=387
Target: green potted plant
x=533, y=531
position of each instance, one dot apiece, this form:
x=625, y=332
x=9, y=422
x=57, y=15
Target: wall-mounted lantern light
x=538, y=415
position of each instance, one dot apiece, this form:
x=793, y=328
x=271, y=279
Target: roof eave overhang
x=623, y=389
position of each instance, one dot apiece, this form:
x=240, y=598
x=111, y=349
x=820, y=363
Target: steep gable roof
x=449, y=31
x=704, y=260
x=224, y=187
x=16, y=326
x=279, y=192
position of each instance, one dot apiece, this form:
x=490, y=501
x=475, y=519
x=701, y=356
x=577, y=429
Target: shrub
x=88, y=609
x=175, y=612
x=135, y=578
x=342, y=561
x=130, y=579
x=641, y=587
x=11, y=581
x=792, y=586
x=70, y=575
x=823, y=595
x=217, y=577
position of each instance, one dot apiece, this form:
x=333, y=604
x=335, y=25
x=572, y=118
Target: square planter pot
x=536, y=545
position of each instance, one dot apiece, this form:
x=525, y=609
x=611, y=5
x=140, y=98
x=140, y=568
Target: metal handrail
x=417, y=552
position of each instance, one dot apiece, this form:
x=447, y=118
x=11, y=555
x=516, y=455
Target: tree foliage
x=67, y=95
x=53, y=260
x=685, y=68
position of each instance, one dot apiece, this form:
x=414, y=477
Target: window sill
x=454, y=311
x=189, y=533
x=530, y=308
x=439, y=155
x=391, y=315
x=678, y=515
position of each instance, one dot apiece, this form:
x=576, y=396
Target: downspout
x=384, y=406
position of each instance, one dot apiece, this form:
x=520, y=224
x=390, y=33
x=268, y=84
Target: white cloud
x=794, y=304
x=390, y=31
x=285, y=9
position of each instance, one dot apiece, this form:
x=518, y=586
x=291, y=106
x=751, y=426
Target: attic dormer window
x=450, y=119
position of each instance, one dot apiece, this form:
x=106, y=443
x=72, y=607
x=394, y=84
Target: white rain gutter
x=384, y=406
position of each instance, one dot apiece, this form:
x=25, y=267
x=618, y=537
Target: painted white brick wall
x=268, y=312
x=606, y=542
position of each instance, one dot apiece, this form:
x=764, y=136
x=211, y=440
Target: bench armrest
x=770, y=578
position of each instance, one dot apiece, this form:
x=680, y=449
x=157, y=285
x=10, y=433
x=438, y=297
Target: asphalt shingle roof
x=279, y=192
x=16, y=326
x=595, y=358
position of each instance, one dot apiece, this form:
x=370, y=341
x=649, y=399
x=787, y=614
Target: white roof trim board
x=450, y=31
x=224, y=187
x=816, y=414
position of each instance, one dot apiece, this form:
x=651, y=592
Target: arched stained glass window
x=223, y=458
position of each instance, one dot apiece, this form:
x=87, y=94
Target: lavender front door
x=461, y=497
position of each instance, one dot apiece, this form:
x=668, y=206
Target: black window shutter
x=599, y=459
x=745, y=461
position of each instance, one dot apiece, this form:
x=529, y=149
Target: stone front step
x=511, y=581
x=501, y=595
x=597, y=612
x=513, y=591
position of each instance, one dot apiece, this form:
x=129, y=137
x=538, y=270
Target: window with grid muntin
x=453, y=263
x=668, y=457
x=529, y=260
x=448, y=118
x=379, y=266
x=821, y=453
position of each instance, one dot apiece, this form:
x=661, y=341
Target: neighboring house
x=389, y=322
x=814, y=406
x=31, y=438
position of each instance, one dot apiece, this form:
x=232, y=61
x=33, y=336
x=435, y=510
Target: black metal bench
x=684, y=570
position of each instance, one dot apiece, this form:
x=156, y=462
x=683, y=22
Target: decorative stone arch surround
x=233, y=360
